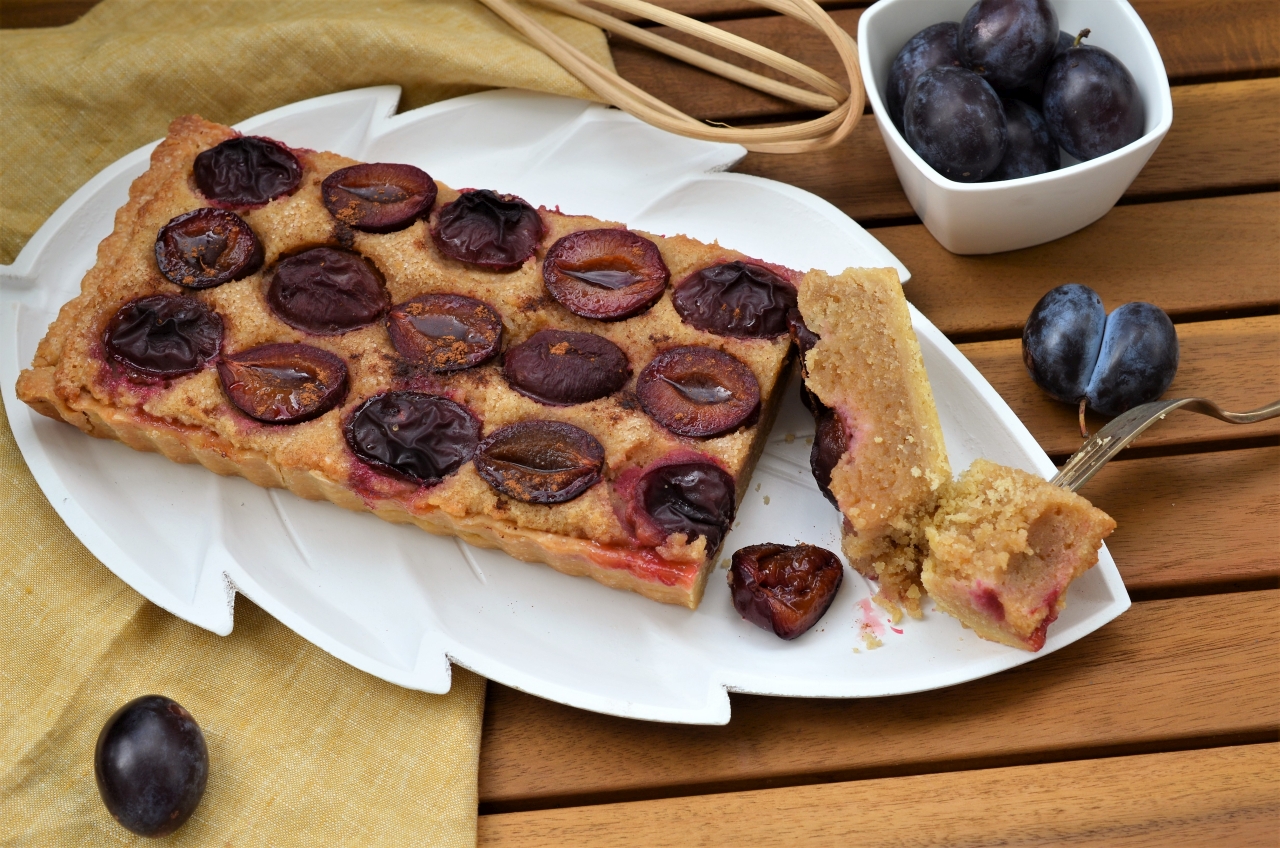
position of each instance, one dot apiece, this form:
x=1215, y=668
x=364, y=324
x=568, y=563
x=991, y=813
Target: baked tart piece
x=560, y=387
x=878, y=452
x=1003, y=548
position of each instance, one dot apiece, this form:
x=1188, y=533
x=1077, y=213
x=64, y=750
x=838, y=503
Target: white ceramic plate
x=400, y=603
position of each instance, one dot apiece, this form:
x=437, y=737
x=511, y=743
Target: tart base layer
x=189, y=418
x=867, y=367
x=1003, y=548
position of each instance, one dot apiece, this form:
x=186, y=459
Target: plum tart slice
x=462, y=361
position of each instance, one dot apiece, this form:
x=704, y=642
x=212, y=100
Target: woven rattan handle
x=843, y=108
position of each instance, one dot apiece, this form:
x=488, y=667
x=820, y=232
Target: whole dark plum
x=736, y=298
x=1092, y=104
x=151, y=765
x=1137, y=361
x=1008, y=43
x=163, y=335
x=1030, y=149
x=696, y=498
x=246, y=171
x=1061, y=338
x=421, y=437
x=1111, y=363
x=784, y=588
x=931, y=47
x=954, y=121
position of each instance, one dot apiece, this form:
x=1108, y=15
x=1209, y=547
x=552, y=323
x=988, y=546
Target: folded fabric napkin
x=303, y=749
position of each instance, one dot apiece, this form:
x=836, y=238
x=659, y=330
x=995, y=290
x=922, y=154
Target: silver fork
x=1121, y=431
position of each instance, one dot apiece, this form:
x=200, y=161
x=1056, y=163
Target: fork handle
x=1120, y=432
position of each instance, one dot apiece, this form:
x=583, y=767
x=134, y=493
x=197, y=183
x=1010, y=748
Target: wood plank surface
x=1193, y=521
x=1223, y=139
x=1190, y=258
x=1234, y=363
x=1220, y=796
x=1197, y=40
x=1158, y=674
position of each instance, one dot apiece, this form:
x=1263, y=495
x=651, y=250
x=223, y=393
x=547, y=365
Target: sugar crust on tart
x=189, y=418
x=1003, y=548
x=867, y=367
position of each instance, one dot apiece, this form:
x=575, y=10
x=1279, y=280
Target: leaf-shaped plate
x=399, y=603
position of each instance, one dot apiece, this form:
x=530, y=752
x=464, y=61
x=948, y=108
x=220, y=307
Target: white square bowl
x=972, y=218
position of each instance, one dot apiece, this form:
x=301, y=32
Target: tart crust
x=189, y=419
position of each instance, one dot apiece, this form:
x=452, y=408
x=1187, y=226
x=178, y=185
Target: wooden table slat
x=1192, y=258
x=1221, y=796
x=1245, y=42
x=1223, y=139
x=1220, y=360
x=1186, y=522
x=1159, y=673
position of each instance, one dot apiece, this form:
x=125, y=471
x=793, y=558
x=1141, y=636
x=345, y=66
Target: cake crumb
x=789, y=438
x=879, y=440
x=766, y=500
x=808, y=440
x=757, y=487
x=870, y=640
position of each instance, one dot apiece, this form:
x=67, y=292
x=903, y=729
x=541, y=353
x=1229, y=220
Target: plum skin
x=607, y=274
x=927, y=49
x=1137, y=360
x=564, y=368
x=740, y=299
x=1008, y=43
x=698, y=391
x=694, y=497
x=1030, y=149
x=1092, y=105
x=955, y=122
x=151, y=765
x=1061, y=340
x=163, y=335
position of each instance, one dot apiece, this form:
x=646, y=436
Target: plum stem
x=1084, y=430
x=1084, y=33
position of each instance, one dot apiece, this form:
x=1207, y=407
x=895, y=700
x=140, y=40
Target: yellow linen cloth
x=304, y=750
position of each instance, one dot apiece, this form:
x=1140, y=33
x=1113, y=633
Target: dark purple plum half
x=737, y=299
x=327, y=291
x=698, y=391
x=151, y=764
x=606, y=274
x=163, y=335
x=283, y=383
x=206, y=248
x=378, y=197
x=563, y=367
x=247, y=171
x=445, y=332
x=495, y=231
x=784, y=588
x=540, y=462
x=423, y=438
x=696, y=498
